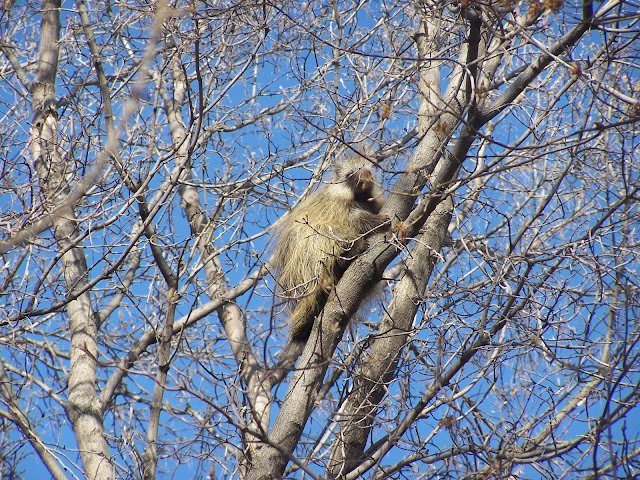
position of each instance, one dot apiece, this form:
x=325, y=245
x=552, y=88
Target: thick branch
x=371, y=381
x=82, y=407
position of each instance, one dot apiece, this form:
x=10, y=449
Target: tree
x=143, y=335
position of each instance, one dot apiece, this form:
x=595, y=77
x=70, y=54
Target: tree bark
x=83, y=408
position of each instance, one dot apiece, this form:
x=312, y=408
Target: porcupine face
x=362, y=186
x=358, y=185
